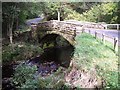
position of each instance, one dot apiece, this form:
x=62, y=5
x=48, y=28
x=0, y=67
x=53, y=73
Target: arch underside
x=63, y=50
x=69, y=38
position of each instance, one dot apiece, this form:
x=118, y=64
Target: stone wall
x=66, y=30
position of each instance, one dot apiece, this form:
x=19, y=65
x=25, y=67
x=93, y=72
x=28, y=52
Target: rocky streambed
x=43, y=69
x=46, y=64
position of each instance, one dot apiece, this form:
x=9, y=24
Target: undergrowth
x=20, y=51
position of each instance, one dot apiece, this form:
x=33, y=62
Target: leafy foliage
x=105, y=12
x=24, y=76
x=21, y=52
x=55, y=80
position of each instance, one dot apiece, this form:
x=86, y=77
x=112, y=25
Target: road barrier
x=104, y=38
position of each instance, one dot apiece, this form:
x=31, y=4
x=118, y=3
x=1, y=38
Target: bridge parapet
x=57, y=25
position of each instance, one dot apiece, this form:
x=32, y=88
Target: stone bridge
x=62, y=28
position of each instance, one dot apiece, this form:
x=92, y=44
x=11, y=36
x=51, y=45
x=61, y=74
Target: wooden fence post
x=115, y=42
x=106, y=26
x=89, y=31
x=117, y=26
x=103, y=38
x=82, y=30
x=95, y=34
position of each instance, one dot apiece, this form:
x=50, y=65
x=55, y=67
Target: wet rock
x=44, y=68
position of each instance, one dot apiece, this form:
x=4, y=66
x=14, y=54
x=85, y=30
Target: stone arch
x=57, y=33
x=54, y=40
x=63, y=54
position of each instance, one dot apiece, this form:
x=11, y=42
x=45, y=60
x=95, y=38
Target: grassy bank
x=92, y=53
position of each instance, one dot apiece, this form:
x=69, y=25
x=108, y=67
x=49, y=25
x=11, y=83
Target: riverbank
x=94, y=65
x=92, y=55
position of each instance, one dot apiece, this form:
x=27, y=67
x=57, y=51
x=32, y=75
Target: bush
x=24, y=76
x=55, y=80
x=72, y=15
x=105, y=12
x=20, y=52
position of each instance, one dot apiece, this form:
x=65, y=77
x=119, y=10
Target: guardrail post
x=83, y=29
x=103, y=38
x=115, y=43
x=95, y=34
x=117, y=26
x=74, y=33
x=106, y=26
x=89, y=31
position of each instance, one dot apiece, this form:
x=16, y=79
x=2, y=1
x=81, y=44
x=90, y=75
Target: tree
x=15, y=13
x=101, y=12
x=55, y=10
x=118, y=12
x=9, y=14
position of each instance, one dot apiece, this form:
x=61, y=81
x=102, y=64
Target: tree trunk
x=17, y=24
x=10, y=34
x=10, y=30
x=7, y=29
x=58, y=15
x=59, y=10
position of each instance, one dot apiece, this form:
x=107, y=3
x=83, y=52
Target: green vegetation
x=21, y=51
x=55, y=80
x=104, y=12
x=16, y=13
x=25, y=77
x=91, y=53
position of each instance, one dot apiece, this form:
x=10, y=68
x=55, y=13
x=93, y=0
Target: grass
x=92, y=53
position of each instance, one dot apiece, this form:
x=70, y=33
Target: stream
x=47, y=63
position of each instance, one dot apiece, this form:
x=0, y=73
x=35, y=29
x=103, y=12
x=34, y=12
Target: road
x=111, y=33
x=34, y=20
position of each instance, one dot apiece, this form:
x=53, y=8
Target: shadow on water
x=7, y=73
x=61, y=55
x=61, y=52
